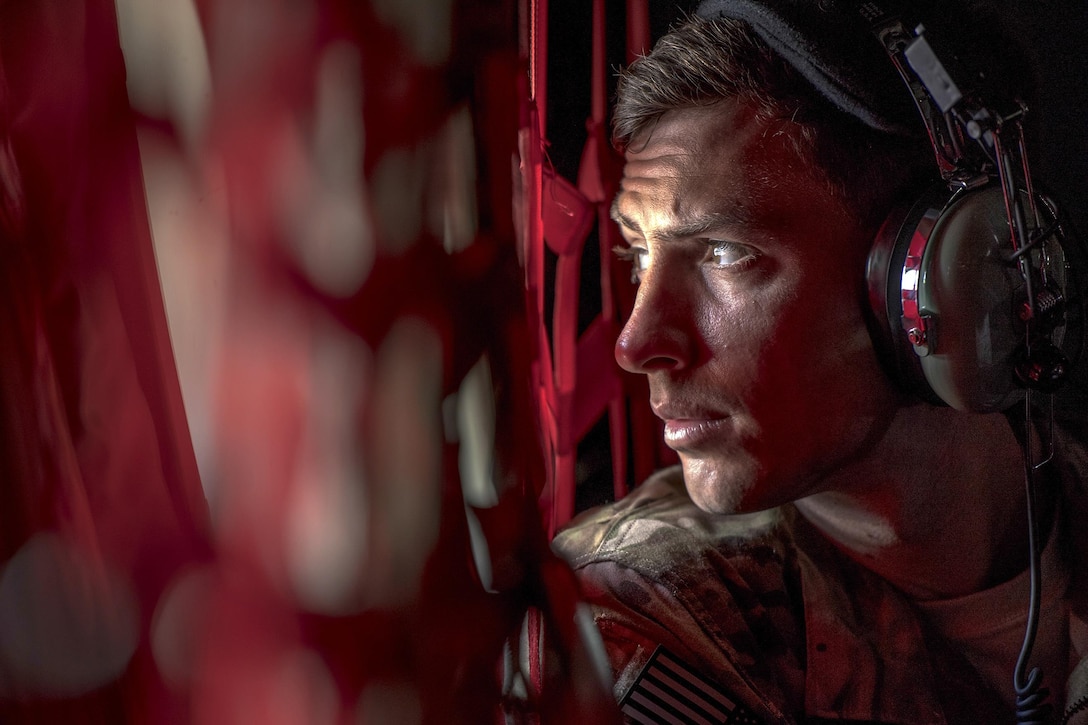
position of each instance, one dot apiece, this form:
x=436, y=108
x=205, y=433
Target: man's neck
x=938, y=507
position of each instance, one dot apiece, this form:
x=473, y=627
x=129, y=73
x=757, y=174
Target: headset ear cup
x=953, y=331
x=975, y=297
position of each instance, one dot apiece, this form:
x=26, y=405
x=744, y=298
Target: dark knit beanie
x=830, y=44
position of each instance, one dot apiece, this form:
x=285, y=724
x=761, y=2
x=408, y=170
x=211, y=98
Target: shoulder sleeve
x=655, y=572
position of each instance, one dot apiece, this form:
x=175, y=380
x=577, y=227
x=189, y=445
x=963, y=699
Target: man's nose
x=658, y=334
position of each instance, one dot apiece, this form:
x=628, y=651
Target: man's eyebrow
x=696, y=227
x=621, y=218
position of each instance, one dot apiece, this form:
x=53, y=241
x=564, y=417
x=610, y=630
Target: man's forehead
x=722, y=158
x=649, y=200
x=693, y=163
x=683, y=131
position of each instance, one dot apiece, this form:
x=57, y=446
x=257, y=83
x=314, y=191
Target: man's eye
x=637, y=257
x=731, y=254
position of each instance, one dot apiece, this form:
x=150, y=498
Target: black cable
x=1032, y=707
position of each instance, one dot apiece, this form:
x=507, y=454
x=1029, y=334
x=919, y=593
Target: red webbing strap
x=535, y=644
x=598, y=152
x=594, y=382
x=532, y=156
x=638, y=28
x=531, y=150
x=559, y=217
x=575, y=377
x=599, y=68
x=538, y=62
x=585, y=381
x=599, y=385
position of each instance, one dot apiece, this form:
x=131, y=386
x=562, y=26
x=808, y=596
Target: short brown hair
x=701, y=62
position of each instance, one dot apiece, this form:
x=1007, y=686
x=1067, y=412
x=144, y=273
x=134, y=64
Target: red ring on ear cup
x=884, y=272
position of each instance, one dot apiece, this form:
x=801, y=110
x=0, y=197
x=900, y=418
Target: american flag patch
x=669, y=692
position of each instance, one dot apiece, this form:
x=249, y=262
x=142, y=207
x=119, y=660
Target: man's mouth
x=693, y=433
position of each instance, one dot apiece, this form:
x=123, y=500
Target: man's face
x=748, y=321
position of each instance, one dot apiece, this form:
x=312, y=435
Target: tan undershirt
x=988, y=626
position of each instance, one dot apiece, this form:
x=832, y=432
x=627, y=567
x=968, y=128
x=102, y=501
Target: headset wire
x=1032, y=707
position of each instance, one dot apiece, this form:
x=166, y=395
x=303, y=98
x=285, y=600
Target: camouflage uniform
x=767, y=608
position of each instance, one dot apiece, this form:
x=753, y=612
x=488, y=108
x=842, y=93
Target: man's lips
x=693, y=433
x=691, y=427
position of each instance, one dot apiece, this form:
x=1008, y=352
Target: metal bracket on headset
x=901, y=45
x=953, y=119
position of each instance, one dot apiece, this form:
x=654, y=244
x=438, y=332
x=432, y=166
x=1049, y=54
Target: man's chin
x=722, y=487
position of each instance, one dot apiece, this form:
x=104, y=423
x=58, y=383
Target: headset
x=973, y=299
x=972, y=284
